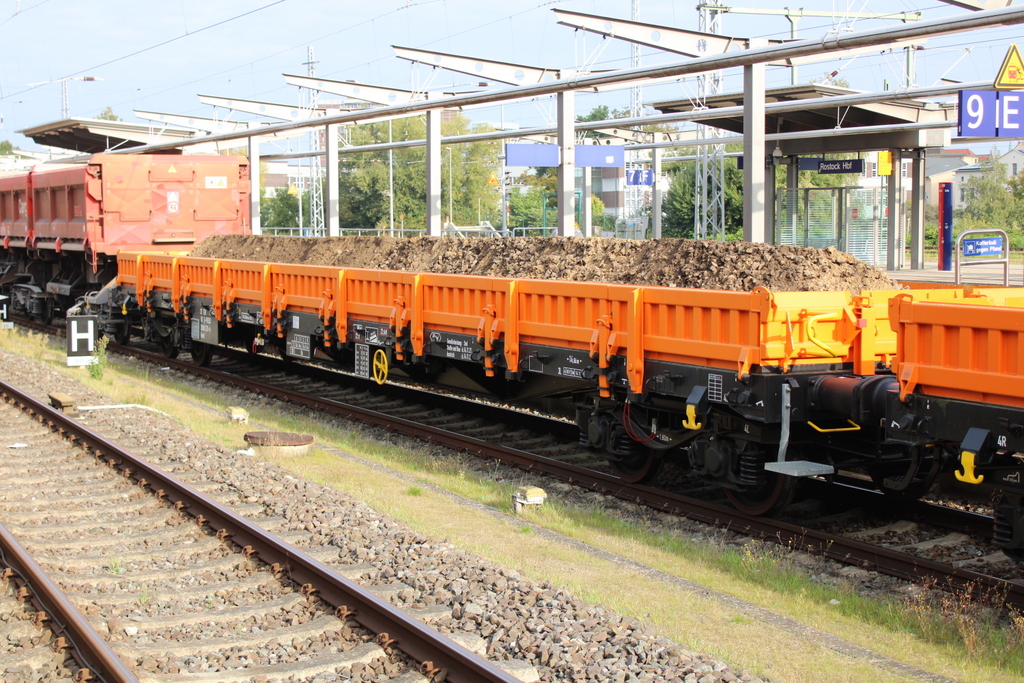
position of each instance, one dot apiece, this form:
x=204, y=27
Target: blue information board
x=990, y=114
x=640, y=177
x=591, y=156
x=988, y=246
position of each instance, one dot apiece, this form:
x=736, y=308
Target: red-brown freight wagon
x=61, y=227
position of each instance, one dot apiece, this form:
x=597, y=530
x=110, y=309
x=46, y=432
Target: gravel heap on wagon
x=697, y=264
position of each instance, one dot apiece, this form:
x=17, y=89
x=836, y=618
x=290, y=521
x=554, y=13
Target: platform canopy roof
x=818, y=115
x=91, y=136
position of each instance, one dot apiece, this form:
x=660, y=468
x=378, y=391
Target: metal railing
x=1004, y=259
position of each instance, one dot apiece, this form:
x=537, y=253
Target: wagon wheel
x=45, y=316
x=168, y=347
x=123, y=334
x=776, y=493
x=202, y=353
x=640, y=468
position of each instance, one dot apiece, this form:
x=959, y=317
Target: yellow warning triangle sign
x=1011, y=73
x=171, y=169
x=493, y=180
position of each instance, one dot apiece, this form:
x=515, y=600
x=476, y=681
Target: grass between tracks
x=954, y=637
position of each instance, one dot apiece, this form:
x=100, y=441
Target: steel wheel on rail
x=640, y=468
x=774, y=495
x=122, y=334
x=168, y=348
x=202, y=353
x=44, y=316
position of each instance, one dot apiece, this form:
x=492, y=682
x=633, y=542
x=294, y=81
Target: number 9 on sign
x=978, y=113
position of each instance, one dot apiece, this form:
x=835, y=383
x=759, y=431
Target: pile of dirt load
x=737, y=266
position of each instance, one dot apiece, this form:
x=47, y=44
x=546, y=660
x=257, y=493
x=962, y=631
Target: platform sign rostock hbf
x=4, y=324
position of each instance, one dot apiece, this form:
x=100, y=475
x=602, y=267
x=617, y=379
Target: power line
x=153, y=47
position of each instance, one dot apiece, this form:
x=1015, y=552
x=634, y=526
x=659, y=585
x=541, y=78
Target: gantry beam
x=283, y=112
x=694, y=43
x=362, y=91
x=508, y=73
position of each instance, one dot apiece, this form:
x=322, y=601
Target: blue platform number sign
x=639, y=177
x=990, y=114
x=82, y=331
x=988, y=246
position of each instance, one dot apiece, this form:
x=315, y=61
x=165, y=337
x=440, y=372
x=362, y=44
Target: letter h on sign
x=82, y=332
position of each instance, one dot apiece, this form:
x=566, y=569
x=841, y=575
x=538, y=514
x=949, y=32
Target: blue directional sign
x=601, y=156
x=531, y=155
x=639, y=177
x=990, y=114
x=988, y=246
x=591, y=156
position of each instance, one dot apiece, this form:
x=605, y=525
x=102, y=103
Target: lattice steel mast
x=634, y=193
x=709, y=185
x=316, y=187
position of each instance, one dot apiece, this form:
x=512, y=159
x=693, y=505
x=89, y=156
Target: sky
x=158, y=56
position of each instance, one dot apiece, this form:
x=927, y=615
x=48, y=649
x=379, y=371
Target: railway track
x=95, y=537
x=547, y=446
x=890, y=536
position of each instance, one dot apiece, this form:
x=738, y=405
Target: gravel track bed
x=516, y=622
x=913, y=537
x=25, y=653
x=218, y=621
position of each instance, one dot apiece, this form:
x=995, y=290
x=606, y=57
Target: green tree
x=281, y=210
x=990, y=201
x=678, y=208
x=525, y=208
x=109, y=115
x=363, y=177
x=6, y=147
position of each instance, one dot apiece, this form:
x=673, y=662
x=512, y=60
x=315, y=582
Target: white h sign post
x=83, y=331
x=4, y=323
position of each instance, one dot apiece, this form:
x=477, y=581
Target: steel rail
x=893, y=562
x=395, y=627
x=800, y=48
x=90, y=650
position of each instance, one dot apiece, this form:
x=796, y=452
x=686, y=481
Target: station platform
x=987, y=275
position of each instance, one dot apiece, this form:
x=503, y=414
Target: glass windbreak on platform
x=851, y=219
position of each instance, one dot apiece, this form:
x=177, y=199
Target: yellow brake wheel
x=380, y=366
